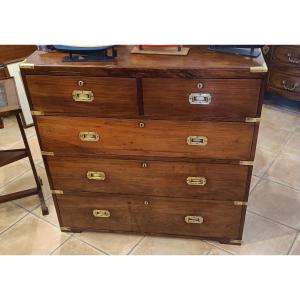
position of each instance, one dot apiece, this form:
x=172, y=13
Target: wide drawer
x=157, y=178
x=203, y=98
x=286, y=82
x=75, y=95
x=286, y=54
x=150, y=215
x=85, y=136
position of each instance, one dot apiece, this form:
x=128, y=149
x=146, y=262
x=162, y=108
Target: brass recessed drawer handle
x=95, y=175
x=289, y=86
x=196, y=181
x=101, y=213
x=194, y=219
x=200, y=98
x=197, y=140
x=89, y=136
x=83, y=96
x=292, y=59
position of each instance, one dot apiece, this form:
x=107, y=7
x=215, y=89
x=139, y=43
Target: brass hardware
x=200, y=98
x=194, y=219
x=292, y=59
x=47, y=153
x=265, y=49
x=65, y=228
x=37, y=113
x=197, y=140
x=252, y=120
x=144, y=165
x=200, y=85
x=80, y=82
x=25, y=65
x=93, y=175
x=236, y=242
x=57, y=192
x=196, y=181
x=83, y=96
x=89, y=136
x=142, y=125
x=259, y=69
x=146, y=202
x=246, y=163
x=289, y=86
x=101, y=213
x=240, y=203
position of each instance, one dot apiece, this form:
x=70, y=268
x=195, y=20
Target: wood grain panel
x=12, y=53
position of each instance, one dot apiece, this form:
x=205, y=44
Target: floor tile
x=9, y=214
x=10, y=134
x=76, y=247
x=31, y=236
x=272, y=138
x=13, y=170
x=52, y=217
x=285, y=170
x=262, y=236
x=171, y=246
x=296, y=247
x=254, y=181
x=217, y=251
x=293, y=144
x=262, y=161
x=111, y=243
x=30, y=131
x=277, y=202
x=29, y=203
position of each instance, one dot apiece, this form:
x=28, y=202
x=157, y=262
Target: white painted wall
x=14, y=71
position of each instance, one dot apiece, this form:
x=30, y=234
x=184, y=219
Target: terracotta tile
x=31, y=236
x=217, y=251
x=13, y=170
x=262, y=161
x=286, y=170
x=262, y=236
x=254, y=181
x=52, y=217
x=296, y=247
x=277, y=202
x=9, y=214
x=76, y=247
x=171, y=246
x=272, y=138
x=112, y=243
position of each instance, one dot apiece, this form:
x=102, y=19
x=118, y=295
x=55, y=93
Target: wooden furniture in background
x=284, y=71
x=149, y=144
x=13, y=53
x=9, y=104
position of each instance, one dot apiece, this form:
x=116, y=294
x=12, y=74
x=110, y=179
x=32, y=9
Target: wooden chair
x=9, y=104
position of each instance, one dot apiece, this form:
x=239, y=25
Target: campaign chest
x=148, y=144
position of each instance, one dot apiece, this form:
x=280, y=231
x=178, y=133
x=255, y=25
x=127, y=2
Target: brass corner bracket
x=25, y=65
x=37, y=113
x=246, y=162
x=259, y=69
x=236, y=242
x=65, y=228
x=57, y=192
x=240, y=203
x=47, y=153
x=252, y=120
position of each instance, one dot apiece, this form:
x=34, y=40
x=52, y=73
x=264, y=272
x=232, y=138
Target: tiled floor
x=272, y=222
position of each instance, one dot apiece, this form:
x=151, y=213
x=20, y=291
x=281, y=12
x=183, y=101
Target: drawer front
x=157, y=178
x=285, y=82
x=203, y=98
x=151, y=215
x=82, y=136
x=285, y=54
x=76, y=95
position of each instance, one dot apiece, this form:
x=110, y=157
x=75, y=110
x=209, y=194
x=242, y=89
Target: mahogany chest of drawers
x=149, y=143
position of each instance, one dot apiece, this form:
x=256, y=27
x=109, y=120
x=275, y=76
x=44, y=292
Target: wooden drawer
x=203, y=98
x=150, y=215
x=157, y=178
x=286, y=82
x=286, y=54
x=225, y=140
x=74, y=95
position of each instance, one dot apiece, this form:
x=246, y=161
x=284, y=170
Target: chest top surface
x=200, y=62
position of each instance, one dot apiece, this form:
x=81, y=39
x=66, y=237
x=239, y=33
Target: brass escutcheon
x=101, y=213
x=87, y=136
x=95, y=175
x=197, y=140
x=196, y=181
x=194, y=219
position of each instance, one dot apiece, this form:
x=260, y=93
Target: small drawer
x=203, y=98
x=151, y=215
x=156, y=178
x=76, y=95
x=286, y=54
x=285, y=82
x=88, y=136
